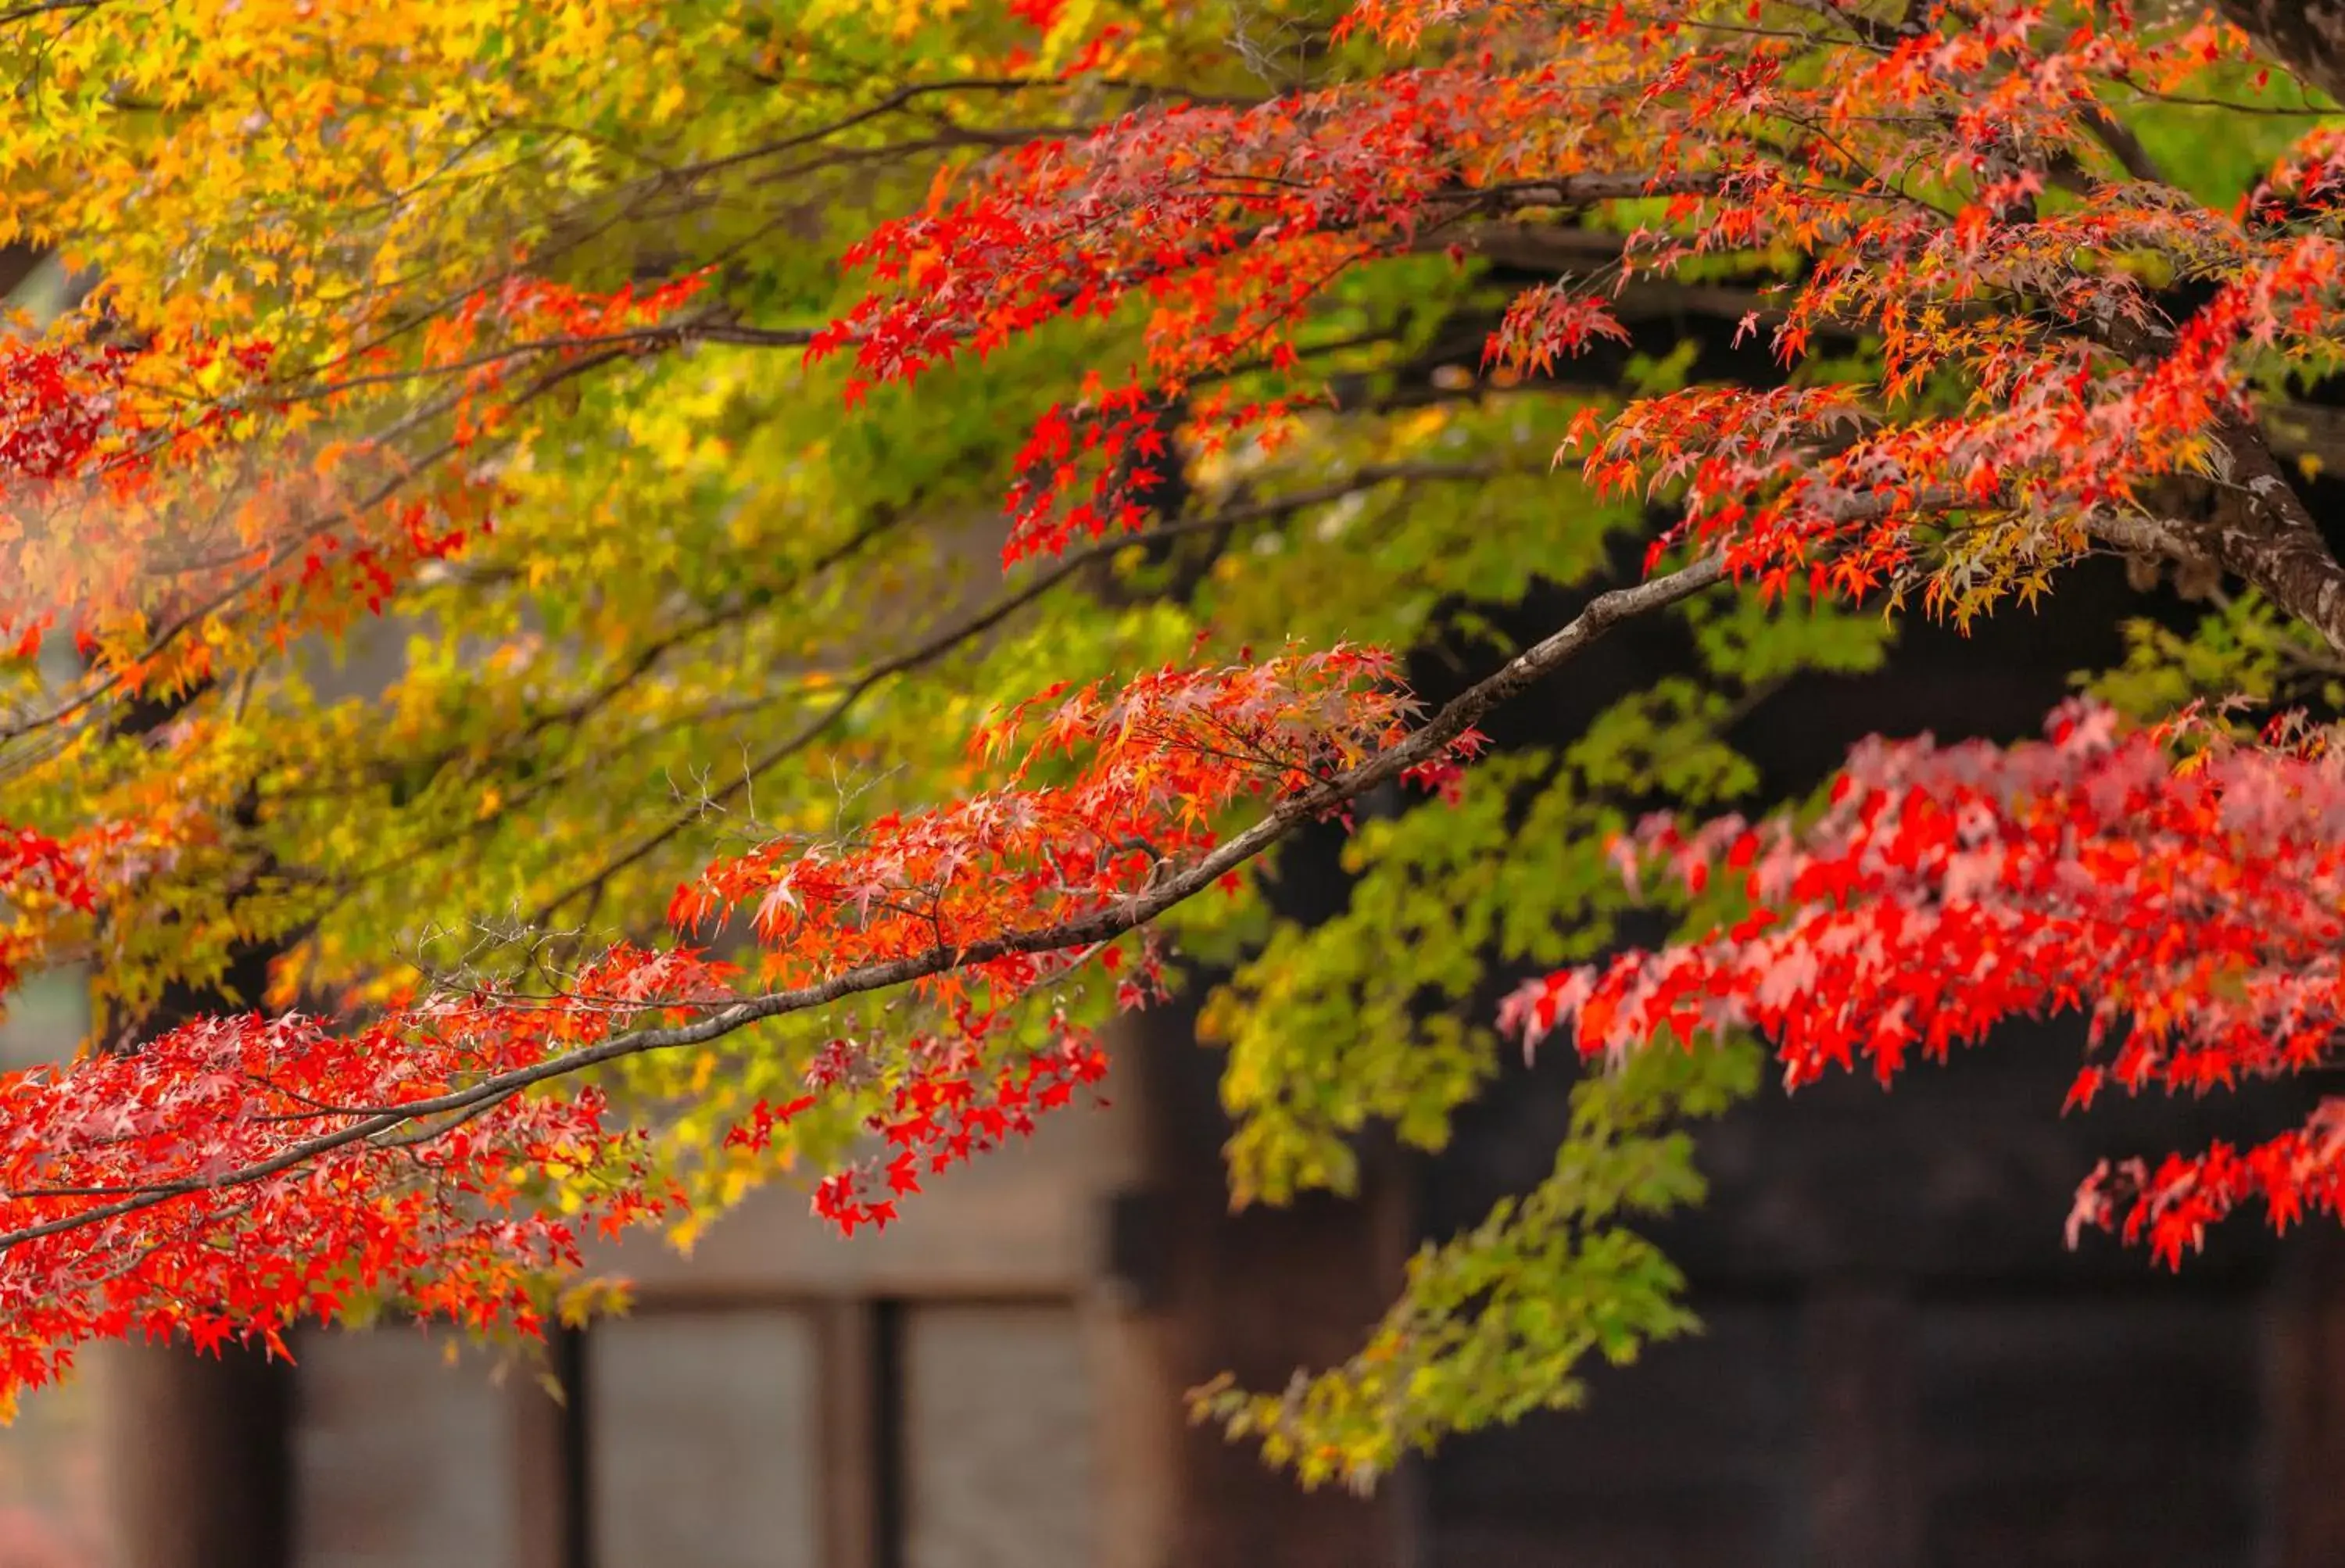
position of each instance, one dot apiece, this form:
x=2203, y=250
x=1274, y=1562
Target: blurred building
x=1903, y=1366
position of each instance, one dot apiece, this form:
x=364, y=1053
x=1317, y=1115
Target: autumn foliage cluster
x=512, y=330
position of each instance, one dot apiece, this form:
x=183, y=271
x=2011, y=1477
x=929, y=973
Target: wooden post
x=198, y=1446
x=196, y=1452
x=1259, y=1293
x=856, y=1432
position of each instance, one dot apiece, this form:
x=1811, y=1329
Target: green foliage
x=1494, y=1324
x=2242, y=649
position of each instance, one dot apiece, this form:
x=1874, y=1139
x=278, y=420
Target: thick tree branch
x=2260, y=530
x=2308, y=36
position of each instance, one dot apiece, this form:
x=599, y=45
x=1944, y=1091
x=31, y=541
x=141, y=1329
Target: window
x=53, y=1500
x=702, y=1439
x=997, y=1443
x=400, y=1459
x=757, y=1434
x=53, y=1508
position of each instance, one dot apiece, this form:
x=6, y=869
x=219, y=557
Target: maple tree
x=699, y=388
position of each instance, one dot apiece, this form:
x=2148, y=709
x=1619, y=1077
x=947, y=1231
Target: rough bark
x=2308, y=36
x=2260, y=529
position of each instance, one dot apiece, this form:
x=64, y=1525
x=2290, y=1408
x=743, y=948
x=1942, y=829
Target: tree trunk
x=2308, y=36
x=197, y=1445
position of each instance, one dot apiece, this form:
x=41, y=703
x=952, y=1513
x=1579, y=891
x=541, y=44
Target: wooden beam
x=854, y=1433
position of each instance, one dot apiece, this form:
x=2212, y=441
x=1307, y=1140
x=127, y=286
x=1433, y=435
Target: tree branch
x=931, y=648
x=2260, y=531
x=1171, y=886
x=2308, y=36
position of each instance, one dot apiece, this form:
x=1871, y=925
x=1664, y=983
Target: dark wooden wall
x=1903, y=1364
x=1259, y=1293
